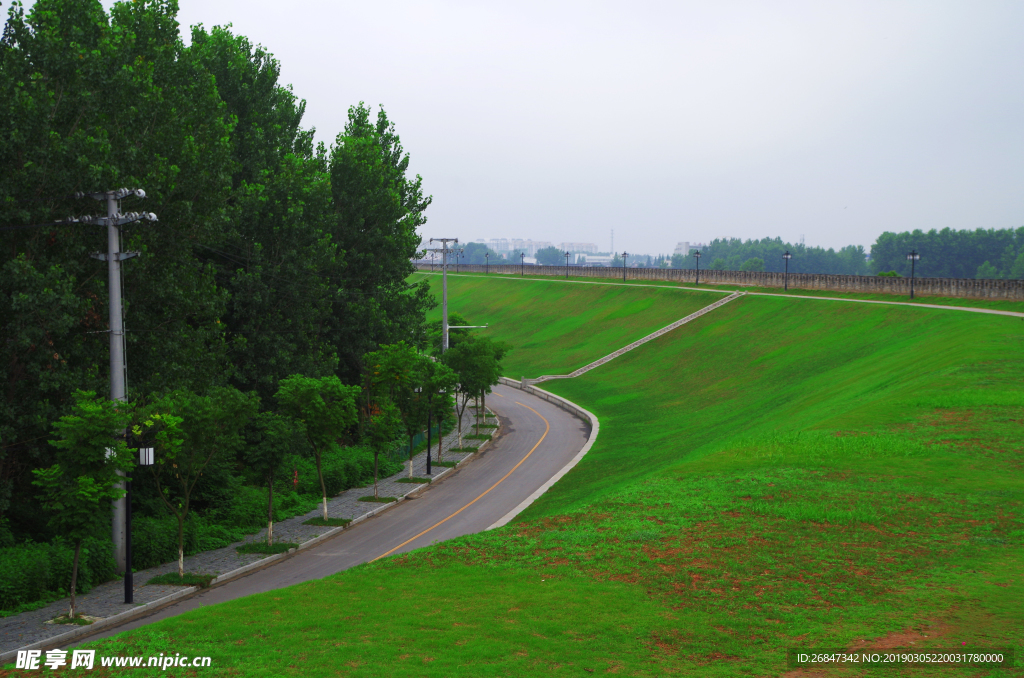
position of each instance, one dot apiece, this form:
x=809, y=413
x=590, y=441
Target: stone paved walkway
x=107, y=599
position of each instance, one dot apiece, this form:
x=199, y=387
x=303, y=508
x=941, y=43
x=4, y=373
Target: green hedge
x=34, y=572
x=343, y=469
x=31, y=572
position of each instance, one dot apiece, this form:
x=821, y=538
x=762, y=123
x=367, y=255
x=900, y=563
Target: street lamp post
x=431, y=262
x=487, y=263
x=566, y=265
x=912, y=258
x=624, y=255
x=145, y=459
x=787, y=256
x=522, y=264
x=696, y=257
x=444, y=287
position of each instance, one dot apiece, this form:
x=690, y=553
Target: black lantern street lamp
x=912, y=258
x=145, y=459
x=566, y=265
x=787, y=256
x=696, y=257
x=487, y=263
x=457, y=256
x=522, y=264
x=431, y=262
x=624, y=255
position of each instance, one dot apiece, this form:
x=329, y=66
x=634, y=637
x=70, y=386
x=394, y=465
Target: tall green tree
x=275, y=255
x=78, y=488
x=378, y=209
x=91, y=101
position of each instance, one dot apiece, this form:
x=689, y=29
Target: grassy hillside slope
x=556, y=329
x=780, y=473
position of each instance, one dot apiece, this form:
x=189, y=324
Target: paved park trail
x=537, y=439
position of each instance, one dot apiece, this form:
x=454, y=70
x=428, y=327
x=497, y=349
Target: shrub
x=31, y=572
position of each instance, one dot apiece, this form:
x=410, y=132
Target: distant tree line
x=991, y=253
x=981, y=253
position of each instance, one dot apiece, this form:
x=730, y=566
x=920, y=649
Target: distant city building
x=684, y=248
x=505, y=245
x=584, y=247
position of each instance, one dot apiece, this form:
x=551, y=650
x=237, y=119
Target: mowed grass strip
x=768, y=476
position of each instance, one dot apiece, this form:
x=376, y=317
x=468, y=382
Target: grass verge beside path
x=769, y=476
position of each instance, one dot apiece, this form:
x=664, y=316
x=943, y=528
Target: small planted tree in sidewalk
x=477, y=364
x=382, y=427
x=186, y=431
x=438, y=384
x=271, y=438
x=78, y=489
x=325, y=407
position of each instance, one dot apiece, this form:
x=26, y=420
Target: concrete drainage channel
x=80, y=632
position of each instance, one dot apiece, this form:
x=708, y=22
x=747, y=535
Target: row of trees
x=273, y=255
x=403, y=392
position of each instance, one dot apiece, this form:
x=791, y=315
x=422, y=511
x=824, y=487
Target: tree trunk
x=74, y=578
x=460, y=420
x=181, y=545
x=477, y=414
x=375, y=453
x=410, y=457
x=428, y=432
x=270, y=510
x=323, y=488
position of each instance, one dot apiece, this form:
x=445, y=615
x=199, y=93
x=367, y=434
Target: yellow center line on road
x=547, y=427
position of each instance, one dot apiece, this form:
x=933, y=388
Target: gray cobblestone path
x=107, y=599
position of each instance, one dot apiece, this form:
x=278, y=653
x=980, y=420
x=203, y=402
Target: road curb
x=83, y=631
x=568, y=406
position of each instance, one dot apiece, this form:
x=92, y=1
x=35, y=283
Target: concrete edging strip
x=82, y=631
x=573, y=409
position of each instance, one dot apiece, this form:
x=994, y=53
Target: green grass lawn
x=779, y=473
x=555, y=329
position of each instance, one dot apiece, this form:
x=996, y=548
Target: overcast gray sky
x=672, y=121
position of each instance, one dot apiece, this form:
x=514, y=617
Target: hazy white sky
x=672, y=121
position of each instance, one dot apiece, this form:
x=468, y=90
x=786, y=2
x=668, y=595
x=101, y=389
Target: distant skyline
x=672, y=121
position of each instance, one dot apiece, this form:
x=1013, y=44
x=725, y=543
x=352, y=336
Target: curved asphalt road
x=537, y=439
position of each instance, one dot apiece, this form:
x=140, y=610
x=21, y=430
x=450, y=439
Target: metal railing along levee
x=964, y=288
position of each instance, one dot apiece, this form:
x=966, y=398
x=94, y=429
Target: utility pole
x=444, y=287
x=113, y=221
